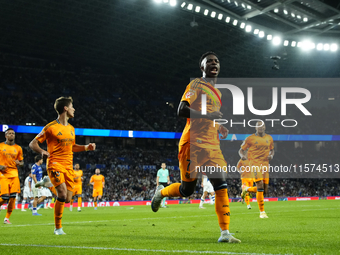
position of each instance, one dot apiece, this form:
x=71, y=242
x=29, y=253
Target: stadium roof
x=157, y=38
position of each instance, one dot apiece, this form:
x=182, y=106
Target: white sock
x=23, y=204
x=202, y=201
x=225, y=232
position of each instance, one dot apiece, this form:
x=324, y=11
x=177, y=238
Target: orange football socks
x=10, y=207
x=58, y=212
x=260, y=200
x=222, y=208
x=79, y=201
x=246, y=199
x=171, y=191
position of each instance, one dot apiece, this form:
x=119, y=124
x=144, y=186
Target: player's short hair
x=163, y=163
x=37, y=158
x=61, y=102
x=204, y=55
x=9, y=129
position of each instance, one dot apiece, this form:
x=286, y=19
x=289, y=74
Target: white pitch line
x=136, y=250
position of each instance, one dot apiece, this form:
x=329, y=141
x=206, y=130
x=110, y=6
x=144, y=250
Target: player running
x=260, y=148
x=163, y=178
x=98, y=182
x=200, y=145
x=61, y=143
x=207, y=188
x=11, y=157
x=27, y=193
x=78, y=188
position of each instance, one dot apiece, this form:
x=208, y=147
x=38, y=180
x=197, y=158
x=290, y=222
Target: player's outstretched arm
x=185, y=111
x=88, y=147
x=34, y=145
x=271, y=154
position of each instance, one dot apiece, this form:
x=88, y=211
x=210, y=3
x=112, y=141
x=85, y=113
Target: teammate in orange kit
x=260, y=148
x=246, y=179
x=200, y=145
x=98, y=182
x=78, y=187
x=11, y=157
x=60, y=138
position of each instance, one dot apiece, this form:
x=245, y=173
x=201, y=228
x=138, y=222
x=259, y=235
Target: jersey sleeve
x=246, y=143
x=81, y=173
x=34, y=169
x=91, y=180
x=20, y=154
x=42, y=136
x=239, y=164
x=103, y=178
x=191, y=92
x=271, y=146
x=158, y=173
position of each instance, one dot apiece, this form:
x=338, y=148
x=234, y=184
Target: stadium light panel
x=206, y=11
x=334, y=47
x=307, y=45
x=190, y=6
x=227, y=19
x=236, y=3
x=235, y=22
x=256, y=31
x=319, y=46
x=198, y=9
x=165, y=1
x=248, y=28
x=183, y=4
x=261, y=34
x=286, y=43
x=293, y=15
x=299, y=44
x=157, y=1
x=285, y=11
x=269, y=37
x=326, y=47
x=298, y=16
x=293, y=44
x=220, y=16
x=173, y=2
x=243, y=5
x=242, y=25
x=213, y=14
x=248, y=7
x=277, y=40
x=276, y=10
x=305, y=19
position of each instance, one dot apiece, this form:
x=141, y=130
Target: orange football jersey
x=98, y=181
x=258, y=149
x=77, y=177
x=10, y=153
x=60, y=140
x=201, y=131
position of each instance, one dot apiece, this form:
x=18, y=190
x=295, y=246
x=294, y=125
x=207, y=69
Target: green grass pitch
x=297, y=227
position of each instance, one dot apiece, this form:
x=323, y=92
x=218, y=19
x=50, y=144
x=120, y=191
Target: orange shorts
x=9, y=185
x=261, y=173
x=78, y=189
x=97, y=192
x=59, y=174
x=247, y=182
x=190, y=157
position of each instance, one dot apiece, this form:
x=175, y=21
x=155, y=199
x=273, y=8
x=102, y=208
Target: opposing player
x=207, y=189
x=246, y=179
x=98, y=182
x=11, y=157
x=27, y=194
x=200, y=145
x=60, y=138
x=163, y=178
x=78, y=187
x=260, y=148
x=37, y=175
